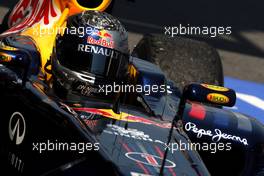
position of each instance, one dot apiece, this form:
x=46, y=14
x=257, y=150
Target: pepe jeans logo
x=17, y=128
x=216, y=135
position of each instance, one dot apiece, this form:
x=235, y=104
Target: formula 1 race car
x=183, y=131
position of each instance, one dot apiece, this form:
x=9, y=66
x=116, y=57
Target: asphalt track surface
x=242, y=52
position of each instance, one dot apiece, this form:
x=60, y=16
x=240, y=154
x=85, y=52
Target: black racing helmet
x=92, y=51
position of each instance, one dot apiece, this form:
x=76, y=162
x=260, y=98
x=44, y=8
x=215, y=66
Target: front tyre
x=183, y=60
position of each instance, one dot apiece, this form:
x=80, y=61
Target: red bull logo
x=101, y=38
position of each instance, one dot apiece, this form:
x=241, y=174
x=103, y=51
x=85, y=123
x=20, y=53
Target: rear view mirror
x=14, y=57
x=210, y=94
x=16, y=60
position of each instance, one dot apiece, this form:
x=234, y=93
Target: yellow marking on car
x=46, y=43
x=7, y=48
x=132, y=71
x=216, y=88
x=217, y=98
x=5, y=57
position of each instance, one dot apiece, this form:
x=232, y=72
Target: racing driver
x=83, y=64
x=90, y=54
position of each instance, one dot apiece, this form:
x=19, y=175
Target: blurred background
x=242, y=52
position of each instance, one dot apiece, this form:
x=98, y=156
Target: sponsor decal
x=139, y=174
x=123, y=116
x=28, y=12
x=92, y=124
x=94, y=111
x=216, y=88
x=150, y=160
x=216, y=135
x=130, y=133
x=217, y=98
x=91, y=120
x=17, y=128
x=101, y=38
x=85, y=88
x=98, y=50
x=16, y=162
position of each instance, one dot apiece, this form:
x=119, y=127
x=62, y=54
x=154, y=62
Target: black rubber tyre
x=183, y=60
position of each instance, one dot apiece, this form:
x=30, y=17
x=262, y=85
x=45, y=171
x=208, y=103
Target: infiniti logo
x=17, y=128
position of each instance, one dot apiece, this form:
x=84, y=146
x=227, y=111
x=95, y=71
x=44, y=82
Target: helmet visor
x=94, y=59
